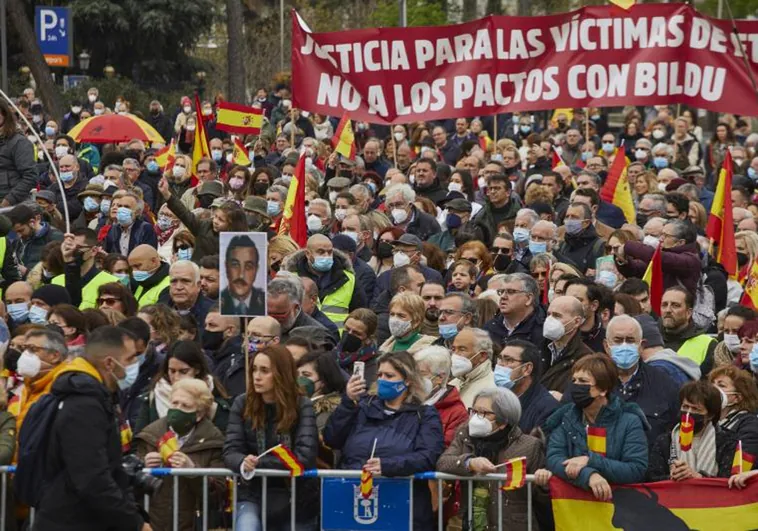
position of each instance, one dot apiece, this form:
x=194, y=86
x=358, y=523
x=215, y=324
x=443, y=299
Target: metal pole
x=2, y=502
x=720, y=12
x=176, y=501
x=440, y=520
x=281, y=34
x=264, y=496
x=205, y=503
x=403, y=13
x=293, y=502
x=3, y=47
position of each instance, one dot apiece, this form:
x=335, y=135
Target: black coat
x=85, y=486
x=163, y=124
x=130, y=405
x=583, y=249
x=422, y=225
x=530, y=329
x=242, y=440
x=537, y=404
x=556, y=376
x=74, y=204
x=432, y=192
x=141, y=232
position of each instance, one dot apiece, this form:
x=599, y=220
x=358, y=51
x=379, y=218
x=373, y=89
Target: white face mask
x=28, y=365
x=460, y=366
x=61, y=151
x=399, y=215
x=333, y=197
x=399, y=137
x=400, y=259
x=479, y=427
x=732, y=342
x=454, y=187
x=340, y=214
x=553, y=329
x=662, y=186
x=179, y=171
x=314, y=223
x=651, y=241
x=398, y=327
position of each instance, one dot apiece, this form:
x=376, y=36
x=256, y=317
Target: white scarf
x=702, y=456
x=162, y=397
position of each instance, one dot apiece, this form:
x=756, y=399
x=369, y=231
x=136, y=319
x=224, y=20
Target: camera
x=139, y=480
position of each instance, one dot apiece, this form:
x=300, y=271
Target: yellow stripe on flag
x=516, y=470
x=623, y=4
x=289, y=460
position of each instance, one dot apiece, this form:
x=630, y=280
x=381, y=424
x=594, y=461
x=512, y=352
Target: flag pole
x=494, y=142
x=292, y=130
x=246, y=352
x=742, y=49
x=269, y=450
x=394, y=150
x=586, y=124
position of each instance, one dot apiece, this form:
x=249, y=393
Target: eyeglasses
x=109, y=301
x=449, y=313
x=501, y=250
x=393, y=206
x=34, y=349
x=509, y=292
x=507, y=360
x=260, y=339
x=481, y=414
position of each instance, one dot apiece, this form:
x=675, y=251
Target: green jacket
x=206, y=240
x=8, y=437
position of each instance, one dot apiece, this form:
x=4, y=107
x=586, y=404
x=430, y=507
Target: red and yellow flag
x=239, y=153
x=702, y=504
x=293, y=219
x=200, y=149
x=515, y=469
x=234, y=118
x=686, y=432
x=546, y=287
x=344, y=138
x=720, y=228
x=616, y=189
x=289, y=460
x=750, y=295
x=367, y=483
x=167, y=445
x=596, y=440
x=743, y=461
x=626, y=5
x=126, y=436
x=556, y=158
x=654, y=278
x=166, y=156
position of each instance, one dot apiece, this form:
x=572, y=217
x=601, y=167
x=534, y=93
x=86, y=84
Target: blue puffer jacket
x=408, y=441
x=626, y=444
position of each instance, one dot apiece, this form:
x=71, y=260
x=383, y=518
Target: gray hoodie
x=686, y=365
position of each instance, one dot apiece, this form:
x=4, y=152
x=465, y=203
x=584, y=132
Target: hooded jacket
x=583, y=249
x=18, y=171
x=680, y=369
x=432, y=192
x=85, y=485
x=29, y=252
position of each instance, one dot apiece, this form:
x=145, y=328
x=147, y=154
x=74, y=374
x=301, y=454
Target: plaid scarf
x=363, y=354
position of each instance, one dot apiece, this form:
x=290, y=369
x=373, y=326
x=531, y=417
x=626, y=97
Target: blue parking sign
x=55, y=34
x=387, y=509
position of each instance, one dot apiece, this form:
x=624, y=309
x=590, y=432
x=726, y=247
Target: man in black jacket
x=427, y=183
x=160, y=121
x=150, y=362
x=521, y=316
x=404, y=214
x=86, y=487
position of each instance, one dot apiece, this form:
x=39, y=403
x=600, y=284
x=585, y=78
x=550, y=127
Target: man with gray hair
x=285, y=304
x=404, y=214
x=433, y=364
x=472, y=363
x=521, y=315
x=526, y=218
x=563, y=342
x=184, y=295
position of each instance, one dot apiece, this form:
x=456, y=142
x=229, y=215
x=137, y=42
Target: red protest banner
x=596, y=56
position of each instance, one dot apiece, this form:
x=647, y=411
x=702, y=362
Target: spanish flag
x=626, y=5
x=344, y=138
x=167, y=445
x=126, y=436
x=367, y=483
x=515, y=469
x=743, y=461
x=546, y=287
x=238, y=119
x=293, y=219
x=596, y=440
x=239, y=153
x=289, y=460
x=616, y=189
x=750, y=295
x=702, y=504
x=720, y=228
x=686, y=433
x=556, y=158
x=654, y=278
x=200, y=149
x=166, y=156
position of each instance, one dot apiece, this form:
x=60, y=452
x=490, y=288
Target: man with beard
x=432, y=293
x=240, y=297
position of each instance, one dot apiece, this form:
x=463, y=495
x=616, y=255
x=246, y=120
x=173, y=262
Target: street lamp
x=84, y=59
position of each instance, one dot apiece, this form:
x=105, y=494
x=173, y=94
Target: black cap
x=408, y=239
x=459, y=205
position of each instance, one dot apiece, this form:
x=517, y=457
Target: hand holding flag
x=686, y=432
x=167, y=445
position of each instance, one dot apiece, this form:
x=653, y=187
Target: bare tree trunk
x=235, y=51
x=524, y=8
x=47, y=90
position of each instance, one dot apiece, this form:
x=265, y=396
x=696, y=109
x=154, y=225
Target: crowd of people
x=463, y=299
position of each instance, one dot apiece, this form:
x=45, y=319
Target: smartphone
x=359, y=368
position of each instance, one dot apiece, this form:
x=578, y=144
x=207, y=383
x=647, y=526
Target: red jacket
x=452, y=413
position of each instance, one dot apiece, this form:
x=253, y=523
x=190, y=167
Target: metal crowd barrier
x=264, y=474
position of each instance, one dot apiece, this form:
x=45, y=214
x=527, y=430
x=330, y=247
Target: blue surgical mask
x=152, y=166
x=452, y=221
x=525, y=129
x=448, y=330
x=608, y=147
x=537, y=247
x=372, y=186
x=754, y=358
x=586, y=155
x=503, y=377
x=660, y=162
x=66, y=176
x=130, y=376
x=184, y=254
x=323, y=263
x=752, y=173
x=123, y=278
x=90, y=205
x=141, y=358
x=515, y=119
x=37, y=315
x=124, y=216
x=49, y=132
x=105, y=206
x=164, y=222
x=607, y=279
x=625, y=355
x=389, y=390
x=573, y=226
x=520, y=234
x=19, y=311
x=273, y=208
x=141, y=276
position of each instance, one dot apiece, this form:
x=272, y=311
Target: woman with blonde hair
x=645, y=183
x=164, y=325
x=278, y=248
x=179, y=177
x=407, y=311
x=697, y=215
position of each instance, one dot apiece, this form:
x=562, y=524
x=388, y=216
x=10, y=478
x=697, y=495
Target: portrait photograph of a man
x=243, y=273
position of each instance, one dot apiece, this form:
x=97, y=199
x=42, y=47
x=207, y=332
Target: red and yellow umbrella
x=112, y=128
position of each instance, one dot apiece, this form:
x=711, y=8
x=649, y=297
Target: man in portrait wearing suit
x=240, y=297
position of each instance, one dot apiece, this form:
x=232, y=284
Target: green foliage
x=740, y=8
x=420, y=13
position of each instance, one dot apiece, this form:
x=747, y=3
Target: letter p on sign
x=48, y=21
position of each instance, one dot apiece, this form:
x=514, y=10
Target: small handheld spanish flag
x=367, y=483
x=515, y=469
x=167, y=445
x=686, y=432
x=596, y=440
x=743, y=461
x=239, y=154
x=166, y=156
x=289, y=460
x=126, y=436
x=343, y=140
x=229, y=502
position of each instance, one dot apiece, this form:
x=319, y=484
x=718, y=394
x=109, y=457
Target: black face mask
x=11, y=359
x=276, y=265
x=502, y=261
x=698, y=421
x=205, y=200
x=212, y=340
x=580, y=395
x=351, y=343
x=155, y=112
x=742, y=259
x=253, y=221
x=260, y=188
x=384, y=250
x=641, y=220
